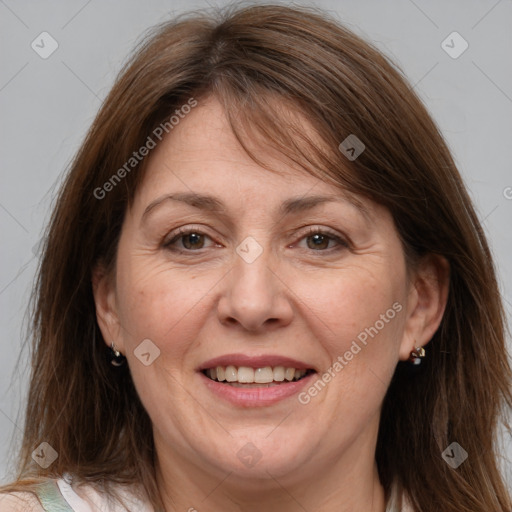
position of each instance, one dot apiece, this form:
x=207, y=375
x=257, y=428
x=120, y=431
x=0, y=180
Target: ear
x=103, y=286
x=426, y=303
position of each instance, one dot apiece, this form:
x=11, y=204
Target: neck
x=343, y=484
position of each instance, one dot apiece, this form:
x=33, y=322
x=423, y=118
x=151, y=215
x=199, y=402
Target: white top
x=70, y=496
x=84, y=498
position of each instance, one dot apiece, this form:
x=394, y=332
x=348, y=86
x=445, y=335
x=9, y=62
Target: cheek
x=160, y=303
x=362, y=303
x=350, y=300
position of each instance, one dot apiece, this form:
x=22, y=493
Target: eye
x=319, y=239
x=191, y=240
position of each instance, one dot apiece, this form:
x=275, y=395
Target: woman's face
x=267, y=280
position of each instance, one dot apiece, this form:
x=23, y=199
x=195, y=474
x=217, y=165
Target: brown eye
x=193, y=240
x=319, y=241
x=186, y=240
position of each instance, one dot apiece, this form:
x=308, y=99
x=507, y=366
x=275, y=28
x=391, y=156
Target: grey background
x=46, y=106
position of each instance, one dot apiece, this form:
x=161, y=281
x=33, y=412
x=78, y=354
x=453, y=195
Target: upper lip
x=255, y=362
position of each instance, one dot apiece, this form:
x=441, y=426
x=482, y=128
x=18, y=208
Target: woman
x=264, y=287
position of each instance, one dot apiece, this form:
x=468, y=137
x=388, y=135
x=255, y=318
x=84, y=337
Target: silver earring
x=116, y=358
x=417, y=355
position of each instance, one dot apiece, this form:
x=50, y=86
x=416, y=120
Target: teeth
x=245, y=375
x=248, y=375
x=263, y=375
x=221, y=374
x=279, y=373
x=231, y=374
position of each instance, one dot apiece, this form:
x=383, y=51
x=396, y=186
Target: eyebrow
x=292, y=205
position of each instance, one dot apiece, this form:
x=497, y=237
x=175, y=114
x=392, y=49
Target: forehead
x=202, y=155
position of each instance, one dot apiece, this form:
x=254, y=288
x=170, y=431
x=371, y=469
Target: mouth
x=248, y=377
x=255, y=381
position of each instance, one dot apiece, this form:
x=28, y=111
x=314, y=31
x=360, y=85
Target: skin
x=295, y=300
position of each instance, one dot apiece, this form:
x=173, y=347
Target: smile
x=246, y=376
x=245, y=386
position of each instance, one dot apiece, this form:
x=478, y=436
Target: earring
x=417, y=355
x=116, y=358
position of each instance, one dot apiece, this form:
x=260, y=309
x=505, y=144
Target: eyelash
x=182, y=232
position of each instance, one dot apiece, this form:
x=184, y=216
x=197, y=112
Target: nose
x=255, y=297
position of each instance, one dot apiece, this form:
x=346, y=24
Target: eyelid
x=182, y=231
x=340, y=239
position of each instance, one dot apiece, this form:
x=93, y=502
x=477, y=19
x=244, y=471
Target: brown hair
x=250, y=57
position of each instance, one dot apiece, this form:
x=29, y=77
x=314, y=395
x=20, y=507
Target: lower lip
x=255, y=397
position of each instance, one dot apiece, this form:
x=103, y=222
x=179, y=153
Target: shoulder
x=20, y=502
x=398, y=501
x=119, y=498
x=67, y=494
